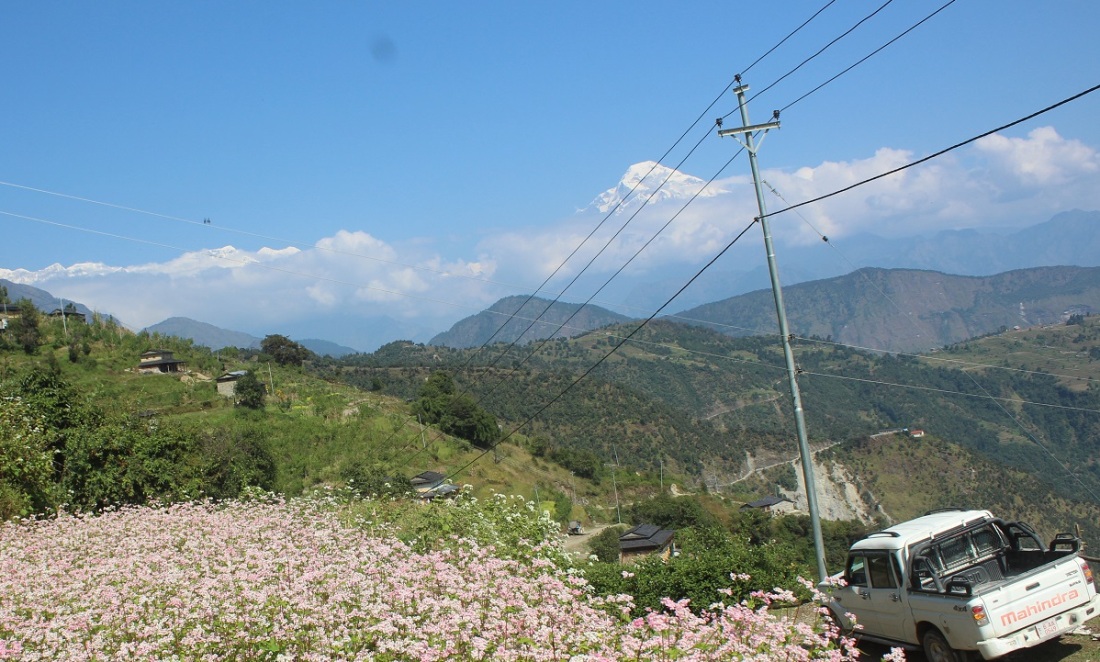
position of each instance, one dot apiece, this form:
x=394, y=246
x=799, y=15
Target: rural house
x=8, y=311
x=646, y=539
x=771, y=505
x=158, y=360
x=227, y=383
x=70, y=315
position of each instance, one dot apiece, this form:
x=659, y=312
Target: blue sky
x=412, y=140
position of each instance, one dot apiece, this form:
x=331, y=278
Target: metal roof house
x=646, y=539
x=227, y=383
x=771, y=504
x=58, y=313
x=158, y=360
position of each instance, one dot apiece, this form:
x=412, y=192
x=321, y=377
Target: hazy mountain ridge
x=41, y=299
x=204, y=334
x=1069, y=238
x=208, y=335
x=508, y=320
x=909, y=310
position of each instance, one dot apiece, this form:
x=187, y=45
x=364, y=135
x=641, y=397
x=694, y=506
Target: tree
x=285, y=351
x=456, y=414
x=234, y=459
x=670, y=512
x=249, y=391
x=25, y=328
x=605, y=545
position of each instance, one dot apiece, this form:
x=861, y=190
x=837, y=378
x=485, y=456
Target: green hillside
x=699, y=403
x=107, y=433
x=676, y=405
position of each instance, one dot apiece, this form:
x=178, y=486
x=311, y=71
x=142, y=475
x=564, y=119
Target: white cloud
x=1000, y=181
x=1044, y=158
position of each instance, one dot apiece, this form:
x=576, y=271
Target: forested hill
x=910, y=310
x=703, y=402
x=518, y=315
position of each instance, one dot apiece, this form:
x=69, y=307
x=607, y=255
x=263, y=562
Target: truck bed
x=995, y=571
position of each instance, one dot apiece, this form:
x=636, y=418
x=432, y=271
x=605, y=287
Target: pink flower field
x=296, y=581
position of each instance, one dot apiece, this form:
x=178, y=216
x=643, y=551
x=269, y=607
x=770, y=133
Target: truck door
x=874, y=595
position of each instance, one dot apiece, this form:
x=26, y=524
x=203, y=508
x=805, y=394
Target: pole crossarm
x=722, y=133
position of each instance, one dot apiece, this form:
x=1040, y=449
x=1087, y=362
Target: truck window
x=879, y=568
x=924, y=577
x=856, y=573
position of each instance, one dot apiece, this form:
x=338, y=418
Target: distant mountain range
x=42, y=299
x=909, y=310
x=1068, y=238
x=898, y=310
x=524, y=319
x=214, y=337
x=908, y=302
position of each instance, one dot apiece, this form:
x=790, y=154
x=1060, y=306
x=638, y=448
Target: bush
x=711, y=566
x=605, y=544
x=26, y=461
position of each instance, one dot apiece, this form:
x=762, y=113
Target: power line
x=937, y=154
x=609, y=353
x=542, y=344
x=869, y=55
x=793, y=207
x=789, y=35
x=819, y=52
x=630, y=260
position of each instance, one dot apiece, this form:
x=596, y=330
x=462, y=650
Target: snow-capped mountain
x=650, y=179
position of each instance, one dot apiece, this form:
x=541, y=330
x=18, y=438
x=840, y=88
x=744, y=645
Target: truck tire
x=936, y=648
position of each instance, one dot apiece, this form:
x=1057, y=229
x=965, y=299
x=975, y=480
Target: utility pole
x=615, y=484
x=784, y=332
x=64, y=324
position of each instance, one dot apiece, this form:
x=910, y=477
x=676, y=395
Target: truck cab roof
x=934, y=524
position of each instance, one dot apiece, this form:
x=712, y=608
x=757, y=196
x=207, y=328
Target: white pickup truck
x=961, y=583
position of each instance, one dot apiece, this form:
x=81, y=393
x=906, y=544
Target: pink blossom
x=298, y=580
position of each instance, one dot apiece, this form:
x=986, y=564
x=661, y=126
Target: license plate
x=1047, y=628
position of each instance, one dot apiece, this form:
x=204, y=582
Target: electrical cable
x=608, y=354
x=937, y=154
x=869, y=55
x=620, y=269
x=784, y=39
x=871, y=179
x=815, y=55
x=481, y=397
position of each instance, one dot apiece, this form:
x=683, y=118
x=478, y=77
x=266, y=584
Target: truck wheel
x=936, y=648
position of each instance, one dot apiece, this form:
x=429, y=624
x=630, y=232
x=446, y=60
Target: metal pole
x=784, y=332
